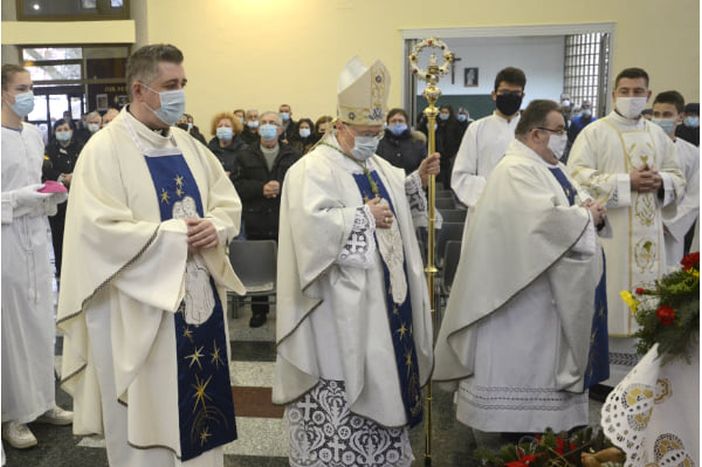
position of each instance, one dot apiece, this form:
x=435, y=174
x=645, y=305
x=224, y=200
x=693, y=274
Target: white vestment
x=688, y=209
x=602, y=157
x=516, y=333
x=483, y=145
x=332, y=316
x=27, y=306
x=125, y=277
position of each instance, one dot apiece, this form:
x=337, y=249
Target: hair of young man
x=534, y=115
x=671, y=97
x=9, y=70
x=511, y=75
x=142, y=65
x=631, y=73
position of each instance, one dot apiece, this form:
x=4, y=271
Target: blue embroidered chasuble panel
x=400, y=320
x=205, y=404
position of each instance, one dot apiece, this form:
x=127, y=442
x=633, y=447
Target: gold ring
x=388, y=219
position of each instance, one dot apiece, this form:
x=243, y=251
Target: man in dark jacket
x=398, y=146
x=259, y=179
x=690, y=129
x=289, y=133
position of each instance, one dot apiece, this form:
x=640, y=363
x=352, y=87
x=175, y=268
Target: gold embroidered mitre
x=363, y=93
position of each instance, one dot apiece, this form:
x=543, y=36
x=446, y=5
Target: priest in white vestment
x=486, y=140
x=630, y=165
x=515, y=339
x=146, y=346
x=354, y=340
x=28, y=332
x=667, y=109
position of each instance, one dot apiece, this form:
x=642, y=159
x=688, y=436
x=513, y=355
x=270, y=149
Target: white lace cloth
x=653, y=413
x=323, y=432
x=360, y=247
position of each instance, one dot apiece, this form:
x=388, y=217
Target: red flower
x=523, y=461
x=640, y=291
x=691, y=261
x=666, y=315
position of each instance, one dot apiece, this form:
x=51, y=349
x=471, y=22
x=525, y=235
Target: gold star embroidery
x=187, y=333
x=408, y=358
x=395, y=309
x=195, y=357
x=200, y=395
x=179, y=192
x=216, y=358
x=179, y=181
x=204, y=435
x=164, y=196
x=402, y=331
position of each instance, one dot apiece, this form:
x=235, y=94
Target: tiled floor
x=262, y=433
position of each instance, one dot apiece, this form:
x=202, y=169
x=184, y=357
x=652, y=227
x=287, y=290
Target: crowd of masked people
x=256, y=151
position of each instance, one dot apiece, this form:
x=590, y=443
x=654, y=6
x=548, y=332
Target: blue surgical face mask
x=64, y=136
x=668, y=124
x=443, y=116
x=364, y=147
x=252, y=124
x=398, y=128
x=268, y=132
x=225, y=133
x=692, y=121
x=462, y=117
x=172, y=105
x=24, y=104
x=305, y=132
x=285, y=116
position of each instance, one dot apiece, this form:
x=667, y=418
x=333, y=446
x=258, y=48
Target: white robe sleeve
x=465, y=181
x=614, y=190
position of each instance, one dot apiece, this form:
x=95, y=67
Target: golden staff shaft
x=430, y=269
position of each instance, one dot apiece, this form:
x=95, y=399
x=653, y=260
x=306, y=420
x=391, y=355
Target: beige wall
x=260, y=53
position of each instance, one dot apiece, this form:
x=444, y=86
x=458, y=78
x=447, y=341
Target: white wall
x=541, y=58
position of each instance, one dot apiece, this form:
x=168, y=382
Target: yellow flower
x=629, y=299
x=694, y=273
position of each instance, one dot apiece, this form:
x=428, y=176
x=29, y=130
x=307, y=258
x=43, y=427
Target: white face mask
x=364, y=147
x=631, y=107
x=93, y=127
x=557, y=144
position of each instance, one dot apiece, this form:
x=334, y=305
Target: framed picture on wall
x=470, y=77
x=101, y=102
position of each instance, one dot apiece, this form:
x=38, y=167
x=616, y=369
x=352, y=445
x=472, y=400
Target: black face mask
x=508, y=104
x=182, y=126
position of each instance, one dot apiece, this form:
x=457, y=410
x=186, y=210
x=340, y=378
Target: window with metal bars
x=586, y=68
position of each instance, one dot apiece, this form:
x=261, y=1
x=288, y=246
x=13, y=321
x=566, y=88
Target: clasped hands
x=598, y=211
x=201, y=234
x=645, y=180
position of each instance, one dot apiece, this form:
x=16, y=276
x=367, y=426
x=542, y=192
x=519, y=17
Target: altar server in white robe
x=354, y=340
x=486, y=140
x=515, y=339
x=630, y=165
x=667, y=109
x=27, y=307
x=145, y=353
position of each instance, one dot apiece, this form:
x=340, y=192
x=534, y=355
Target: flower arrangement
x=668, y=312
x=586, y=447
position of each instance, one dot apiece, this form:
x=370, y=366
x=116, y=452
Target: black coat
x=249, y=137
x=228, y=156
x=60, y=161
x=448, y=139
x=261, y=214
x=402, y=151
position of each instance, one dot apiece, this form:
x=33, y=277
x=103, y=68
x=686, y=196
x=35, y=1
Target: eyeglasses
x=562, y=131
